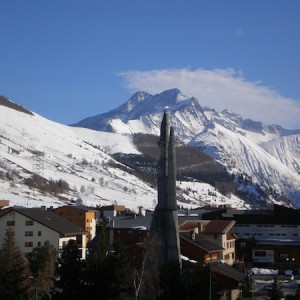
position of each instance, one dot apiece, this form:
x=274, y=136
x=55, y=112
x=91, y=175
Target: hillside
x=46, y=163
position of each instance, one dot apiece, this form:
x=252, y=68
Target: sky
x=71, y=59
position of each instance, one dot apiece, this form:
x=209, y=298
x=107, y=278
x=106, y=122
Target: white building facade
x=32, y=227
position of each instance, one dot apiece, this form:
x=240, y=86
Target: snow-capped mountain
x=267, y=155
x=80, y=160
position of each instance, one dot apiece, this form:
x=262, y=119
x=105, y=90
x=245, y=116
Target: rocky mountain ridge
x=268, y=155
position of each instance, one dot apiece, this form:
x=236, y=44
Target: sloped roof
x=189, y=225
x=218, y=226
x=73, y=207
x=116, y=207
x=201, y=242
x=228, y=271
x=130, y=222
x=49, y=219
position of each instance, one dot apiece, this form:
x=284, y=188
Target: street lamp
x=291, y=260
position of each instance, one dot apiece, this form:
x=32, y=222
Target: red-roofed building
x=221, y=233
x=217, y=232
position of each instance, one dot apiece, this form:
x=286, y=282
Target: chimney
x=199, y=227
x=193, y=235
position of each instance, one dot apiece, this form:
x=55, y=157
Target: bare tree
x=146, y=277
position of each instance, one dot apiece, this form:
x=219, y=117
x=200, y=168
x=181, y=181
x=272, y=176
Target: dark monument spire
x=164, y=226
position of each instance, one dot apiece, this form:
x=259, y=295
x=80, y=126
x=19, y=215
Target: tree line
x=106, y=273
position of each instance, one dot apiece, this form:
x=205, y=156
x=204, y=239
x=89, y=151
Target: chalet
x=210, y=232
x=32, y=227
x=221, y=233
x=196, y=247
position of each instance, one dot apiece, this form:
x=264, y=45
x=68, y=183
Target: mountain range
x=222, y=158
x=265, y=157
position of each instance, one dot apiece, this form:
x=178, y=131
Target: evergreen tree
x=69, y=272
x=15, y=282
x=171, y=282
x=276, y=292
x=246, y=288
x=107, y=272
x=42, y=261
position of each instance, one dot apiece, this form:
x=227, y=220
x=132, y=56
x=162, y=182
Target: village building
x=213, y=240
x=82, y=216
x=111, y=211
x=32, y=227
x=265, y=236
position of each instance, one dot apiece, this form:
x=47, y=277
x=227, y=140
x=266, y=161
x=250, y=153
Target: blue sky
x=71, y=59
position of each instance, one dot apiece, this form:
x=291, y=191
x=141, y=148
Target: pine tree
x=69, y=272
x=276, y=292
x=106, y=273
x=247, y=286
x=42, y=262
x=15, y=282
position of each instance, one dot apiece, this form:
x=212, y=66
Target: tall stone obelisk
x=164, y=226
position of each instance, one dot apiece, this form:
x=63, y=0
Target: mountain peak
x=173, y=94
x=139, y=96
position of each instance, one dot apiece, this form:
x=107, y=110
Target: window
x=39, y=233
x=215, y=236
x=28, y=244
x=28, y=233
x=243, y=244
x=260, y=253
x=39, y=244
x=10, y=223
x=28, y=222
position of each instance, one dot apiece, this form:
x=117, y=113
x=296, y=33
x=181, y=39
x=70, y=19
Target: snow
x=185, y=258
x=269, y=155
x=261, y=271
x=139, y=228
x=80, y=157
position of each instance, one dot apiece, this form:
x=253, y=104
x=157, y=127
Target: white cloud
x=220, y=89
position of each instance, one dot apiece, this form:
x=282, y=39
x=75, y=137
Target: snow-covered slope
x=268, y=155
x=82, y=158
